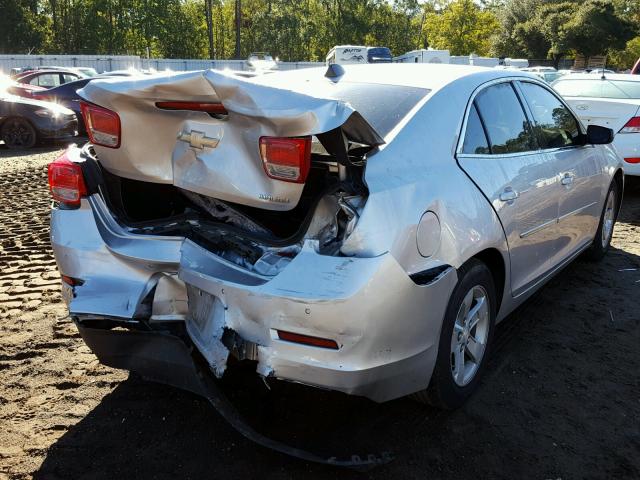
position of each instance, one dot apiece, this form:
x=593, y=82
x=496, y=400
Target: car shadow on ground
x=559, y=400
x=42, y=147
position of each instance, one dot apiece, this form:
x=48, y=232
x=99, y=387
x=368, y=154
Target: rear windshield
x=383, y=106
x=598, y=88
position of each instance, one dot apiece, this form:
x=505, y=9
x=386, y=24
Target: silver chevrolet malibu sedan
x=358, y=228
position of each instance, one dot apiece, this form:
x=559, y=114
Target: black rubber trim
x=164, y=357
x=426, y=277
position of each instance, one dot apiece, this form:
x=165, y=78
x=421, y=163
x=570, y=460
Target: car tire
x=456, y=375
x=18, y=133
x=602, y=240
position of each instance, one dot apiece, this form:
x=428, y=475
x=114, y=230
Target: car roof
x=596, y=75
x=48, y=70
x=419, y=75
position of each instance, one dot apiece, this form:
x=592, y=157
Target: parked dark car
x=66, y=96
x=24, y=121
x=636, y=68
x=48, y=78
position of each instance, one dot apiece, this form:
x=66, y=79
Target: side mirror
x=597, y=135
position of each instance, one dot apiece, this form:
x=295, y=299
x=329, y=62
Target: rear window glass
x=598, y=88
x=383, y=106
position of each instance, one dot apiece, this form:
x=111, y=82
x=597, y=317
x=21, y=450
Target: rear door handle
x=508, y=195
x=567, y=179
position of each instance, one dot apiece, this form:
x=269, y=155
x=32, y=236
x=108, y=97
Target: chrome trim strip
x=576, y=211
x=542, y=226
x=490, y=156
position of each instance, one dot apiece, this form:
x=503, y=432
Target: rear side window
x=47, y=80
x=504, y=120
x=68, y=78
x=475, y=141
x=598, y=88
x=554, y=124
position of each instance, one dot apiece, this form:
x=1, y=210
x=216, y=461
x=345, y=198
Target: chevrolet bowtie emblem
x=198, y=139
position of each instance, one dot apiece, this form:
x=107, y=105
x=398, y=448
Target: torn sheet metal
x=152, y=151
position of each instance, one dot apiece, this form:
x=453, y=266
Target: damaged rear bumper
x=163, y=356
x=385, y=326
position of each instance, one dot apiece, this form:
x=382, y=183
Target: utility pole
x=238, y=23
x=209, y=14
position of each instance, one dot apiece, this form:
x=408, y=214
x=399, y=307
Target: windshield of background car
x=379, y=55
x=598, y=88
x=383, y=106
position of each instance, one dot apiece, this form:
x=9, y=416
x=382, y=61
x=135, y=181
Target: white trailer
x=424, y=56
x=353, y=54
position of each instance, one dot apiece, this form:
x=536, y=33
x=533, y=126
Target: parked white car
x=548, y=74
x=612, y=100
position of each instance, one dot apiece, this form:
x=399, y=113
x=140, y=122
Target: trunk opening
x=257, y=239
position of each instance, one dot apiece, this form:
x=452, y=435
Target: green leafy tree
x=596, y=27
x=462, y=28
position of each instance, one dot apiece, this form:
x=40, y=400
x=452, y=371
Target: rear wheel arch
x=495, y=262
x=618, y=177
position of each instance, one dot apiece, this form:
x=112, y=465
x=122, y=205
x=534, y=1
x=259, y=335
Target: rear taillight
x=632, y=159
x=103, y=125
x=66, y=182
x=632, y=126
x=193, y=106
x=286, y=158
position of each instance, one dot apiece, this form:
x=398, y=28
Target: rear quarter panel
x=417, y=172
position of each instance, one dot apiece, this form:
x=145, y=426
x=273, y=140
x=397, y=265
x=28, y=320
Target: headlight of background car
x=44, y=112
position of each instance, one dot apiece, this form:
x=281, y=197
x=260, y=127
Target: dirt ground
x=561, y=398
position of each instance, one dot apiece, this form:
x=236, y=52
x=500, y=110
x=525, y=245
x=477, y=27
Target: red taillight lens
x=632, y=160
x=285, y=158
x=632, y=126
x=66, y=182
x=194, y=106
x=307, y=340
x=103, y=125
x=72, y=282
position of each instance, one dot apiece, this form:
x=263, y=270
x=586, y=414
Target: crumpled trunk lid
x=152, y=150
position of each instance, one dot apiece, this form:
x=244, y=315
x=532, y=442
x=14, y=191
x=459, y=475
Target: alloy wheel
x=470, y=335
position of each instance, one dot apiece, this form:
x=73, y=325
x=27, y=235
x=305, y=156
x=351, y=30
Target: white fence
x=119, y=62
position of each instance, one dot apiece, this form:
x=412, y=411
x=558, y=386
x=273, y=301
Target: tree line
x=298, y=30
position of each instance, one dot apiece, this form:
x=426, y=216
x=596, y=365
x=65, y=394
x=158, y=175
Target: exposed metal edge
x=119, y=241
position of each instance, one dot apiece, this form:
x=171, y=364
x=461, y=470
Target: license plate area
x=205, y=325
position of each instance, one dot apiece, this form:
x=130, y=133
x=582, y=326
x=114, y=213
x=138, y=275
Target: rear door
x=577, y=167
x=501, y=155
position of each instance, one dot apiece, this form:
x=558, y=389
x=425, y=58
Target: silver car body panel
x=387, y=326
